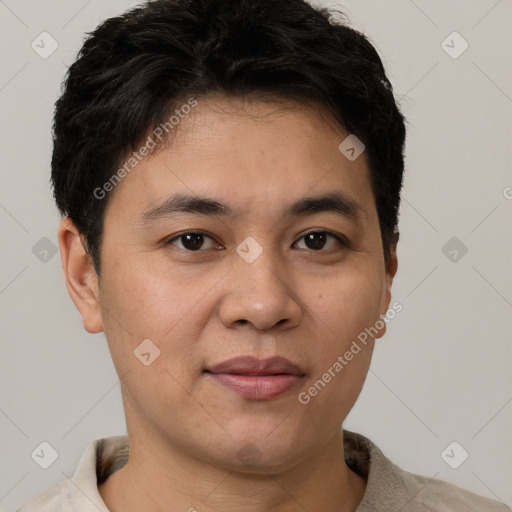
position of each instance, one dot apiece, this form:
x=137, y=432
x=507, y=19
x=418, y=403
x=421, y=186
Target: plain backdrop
x=442, y=373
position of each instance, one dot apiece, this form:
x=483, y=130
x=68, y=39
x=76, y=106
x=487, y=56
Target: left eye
x=315, y=240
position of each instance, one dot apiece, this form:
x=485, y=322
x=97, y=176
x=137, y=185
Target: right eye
x=190, y=240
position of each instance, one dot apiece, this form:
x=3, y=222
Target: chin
x=259, y=453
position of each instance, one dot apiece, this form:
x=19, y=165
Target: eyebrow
x=337, y=202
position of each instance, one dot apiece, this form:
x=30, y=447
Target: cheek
x=137, y=306
x=141, y=306
x=346, y=305
x=148, y=303
x=344, y=315
x=166, y=308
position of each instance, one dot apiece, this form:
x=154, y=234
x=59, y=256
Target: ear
x=81, y=278
x=391, y=268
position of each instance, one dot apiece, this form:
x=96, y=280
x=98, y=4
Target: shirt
x=388, y=488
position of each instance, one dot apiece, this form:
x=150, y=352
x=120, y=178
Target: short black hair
x=134, y=70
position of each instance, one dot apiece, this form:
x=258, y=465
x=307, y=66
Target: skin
x=203, y=307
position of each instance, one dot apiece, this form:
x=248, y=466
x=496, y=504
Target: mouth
x=257, y=379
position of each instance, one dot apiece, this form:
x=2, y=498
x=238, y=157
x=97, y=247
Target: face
x=255, y=271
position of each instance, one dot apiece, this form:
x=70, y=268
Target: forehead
x=250, y=152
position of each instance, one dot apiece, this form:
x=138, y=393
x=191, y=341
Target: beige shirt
x=388, y=489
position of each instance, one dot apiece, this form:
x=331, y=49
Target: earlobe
x=81, y=278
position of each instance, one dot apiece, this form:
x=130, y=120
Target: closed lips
x=248, y=365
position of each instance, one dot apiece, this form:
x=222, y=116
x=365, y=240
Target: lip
x=257, y=379
x=248, y=365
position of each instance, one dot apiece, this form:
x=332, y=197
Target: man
x=230, y=173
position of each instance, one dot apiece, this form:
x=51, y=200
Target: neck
x=155, y=480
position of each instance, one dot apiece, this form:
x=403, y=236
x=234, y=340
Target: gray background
x=441, y=374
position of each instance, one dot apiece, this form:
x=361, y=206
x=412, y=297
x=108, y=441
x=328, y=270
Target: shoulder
x=436, y=495
x=100, y=458
x=390, y=488
x=48, y=501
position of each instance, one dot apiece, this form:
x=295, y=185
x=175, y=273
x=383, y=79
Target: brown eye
x=191, y=240
x=317, y=240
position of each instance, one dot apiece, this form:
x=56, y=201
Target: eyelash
x=341, y=239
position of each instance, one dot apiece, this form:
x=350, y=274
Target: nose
x=261, y=294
